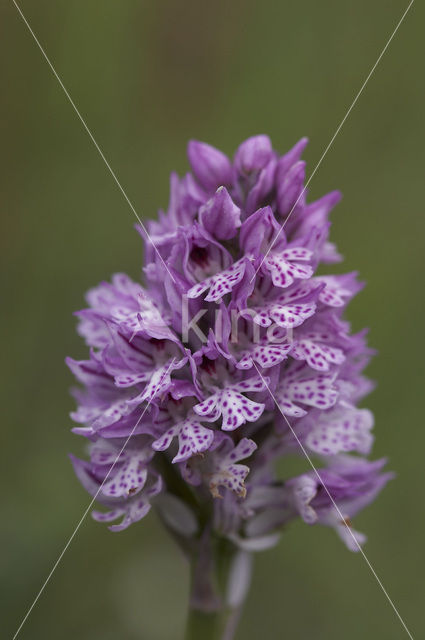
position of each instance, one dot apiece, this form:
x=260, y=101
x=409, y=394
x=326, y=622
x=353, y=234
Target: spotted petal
x=341, y=430
x=193, y=438
x=234, y=407
x=291, y=315
x=297, y=253
x=316, y=391
x=288, y=407
x=267, y=355
x=287, y=316
x=100, y=413
x=338, y=289
x=220, y=284
x=128, y=480
x=334, y=297
x=228, y=473
x=284, y=271
x=160, y=381
x=112, y=414
x=255, y=383
x=318, y=356
x=132, y=511
x=131, y=379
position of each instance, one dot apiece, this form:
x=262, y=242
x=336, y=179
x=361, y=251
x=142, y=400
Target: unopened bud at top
x=220, y=216
x=210, y=166
x=253, y=154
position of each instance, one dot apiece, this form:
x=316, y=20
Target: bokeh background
x=147, y=76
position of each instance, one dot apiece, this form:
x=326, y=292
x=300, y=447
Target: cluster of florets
x=236, y=354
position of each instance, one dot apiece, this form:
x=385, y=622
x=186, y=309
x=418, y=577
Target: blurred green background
x=147, y=76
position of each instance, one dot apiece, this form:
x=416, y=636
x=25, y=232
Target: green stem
x=203, y=626
x=214, y=625
x=212, y=616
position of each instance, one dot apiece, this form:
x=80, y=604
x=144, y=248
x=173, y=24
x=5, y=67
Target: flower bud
x=220, y=216
x=210, y=166
x=253, y=154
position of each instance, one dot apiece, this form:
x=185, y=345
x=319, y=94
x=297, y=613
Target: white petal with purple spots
x=193, y=438
x=232, y=405
x=340, y=430
x=318, y=356
x=220, y=284
x=284, y=271
x=228, y=473
x=266, y=355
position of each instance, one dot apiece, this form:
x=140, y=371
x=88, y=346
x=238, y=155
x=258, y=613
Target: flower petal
x=193, y=437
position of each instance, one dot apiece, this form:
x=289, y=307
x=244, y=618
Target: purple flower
x=350, y=483
x=179, y=390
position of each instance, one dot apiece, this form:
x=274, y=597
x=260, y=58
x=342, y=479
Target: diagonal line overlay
x=343, y=519
x=70, y=539
x=92, y=138
x=258, y=371
x=334, y=135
